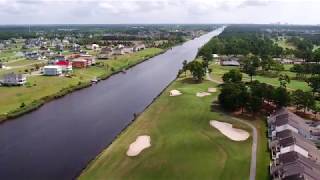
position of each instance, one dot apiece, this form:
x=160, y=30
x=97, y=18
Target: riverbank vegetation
x=184, y=146
x=41, y=89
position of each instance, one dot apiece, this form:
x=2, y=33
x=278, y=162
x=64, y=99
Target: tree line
x=252, y=96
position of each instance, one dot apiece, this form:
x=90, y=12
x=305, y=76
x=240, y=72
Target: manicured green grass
x=40, y=86
x=284, y=44
x=184, y=146
x=15, y=70
x=23, y=62
x=263, y=153
x=218, y=71
x=287, y=67
x=9, y=54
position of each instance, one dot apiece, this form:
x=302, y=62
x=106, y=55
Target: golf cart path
x=253, y=164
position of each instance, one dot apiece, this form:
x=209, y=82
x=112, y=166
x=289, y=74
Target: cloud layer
x=158, y=11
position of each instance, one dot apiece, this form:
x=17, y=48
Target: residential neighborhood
x=292, y=145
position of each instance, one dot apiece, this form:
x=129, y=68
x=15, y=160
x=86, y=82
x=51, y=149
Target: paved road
x=253, y=165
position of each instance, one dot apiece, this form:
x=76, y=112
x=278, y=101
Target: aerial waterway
x=58, y=140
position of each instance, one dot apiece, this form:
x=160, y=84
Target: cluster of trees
x=241, y=45
x=303, y=70
x=236, y=94
x=257, y=51
x=304, y=48
x=265, y=65
x=311, y=74
x=197, y=68
x=242, y=40
x=303, y=100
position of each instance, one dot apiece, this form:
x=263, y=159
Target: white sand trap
x=203, y=94
x=141, y=143
x=175, y=93
x=232, y=133
x=212, y=90
x=6, y=67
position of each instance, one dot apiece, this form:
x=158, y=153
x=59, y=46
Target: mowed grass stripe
x=184, y=146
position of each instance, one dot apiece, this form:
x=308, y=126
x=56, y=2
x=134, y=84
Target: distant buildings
x=139, y=47
x=105, y=53
x=33, y=55
x=13, y=79
x=120, y=50
x=229, y=61
x=66, y=66
x=80, y=63
x=83, y=61
x=52, y=70
x=2, y=46
x=108, y=52
x=94, y=47
x=76, y=48
x=215, y=56
x=289, y=60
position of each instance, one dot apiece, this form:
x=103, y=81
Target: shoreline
x=136, y=116
x=36, y=104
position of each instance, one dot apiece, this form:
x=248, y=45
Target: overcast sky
x=158, y=11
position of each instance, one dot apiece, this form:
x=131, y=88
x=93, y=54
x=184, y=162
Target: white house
x=95, y=47
x=13, y=79
x=215, y=56
x=139, y=47
x=118, y=51
x=52, y=70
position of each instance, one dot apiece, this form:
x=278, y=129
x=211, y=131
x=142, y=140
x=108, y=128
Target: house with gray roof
x=294, y=154
x=229, y=61
x=286, y=120
x=293, y=166
x=289, y=141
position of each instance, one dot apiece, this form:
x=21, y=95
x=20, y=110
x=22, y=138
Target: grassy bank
x=184, y=146
x=41, y=89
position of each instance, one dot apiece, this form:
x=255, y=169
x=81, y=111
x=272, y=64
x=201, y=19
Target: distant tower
x=29, y=28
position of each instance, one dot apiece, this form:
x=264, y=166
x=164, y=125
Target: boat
x=94, y=81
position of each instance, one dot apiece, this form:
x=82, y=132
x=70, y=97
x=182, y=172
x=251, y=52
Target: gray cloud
x=157, y=11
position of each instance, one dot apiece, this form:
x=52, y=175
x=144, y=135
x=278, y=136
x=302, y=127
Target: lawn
x=263, y=153
x=282, y=42
x=184, y=146
x=9, y=54
x=218, y=71
x=40, y=86
x=23, y=62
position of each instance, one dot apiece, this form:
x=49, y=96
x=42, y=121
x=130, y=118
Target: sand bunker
x=175, y=93
x=212, y=90
x=141, y=143
x=232, y=133
x=202, y=94
x=6, y=68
